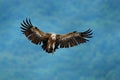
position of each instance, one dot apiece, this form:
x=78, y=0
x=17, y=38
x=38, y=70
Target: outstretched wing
x=74, y=38
x=33, y=33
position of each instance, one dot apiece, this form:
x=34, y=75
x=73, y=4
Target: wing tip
x=87, y=34
x=26, y=24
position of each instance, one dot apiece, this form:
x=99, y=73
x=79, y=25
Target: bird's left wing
x=33, y=33
x=73, y=38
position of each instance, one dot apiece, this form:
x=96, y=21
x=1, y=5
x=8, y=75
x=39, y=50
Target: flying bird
x=51, y=41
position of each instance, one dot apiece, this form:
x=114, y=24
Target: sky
x=98, y=59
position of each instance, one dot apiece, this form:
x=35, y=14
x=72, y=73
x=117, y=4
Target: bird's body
x=52, y=41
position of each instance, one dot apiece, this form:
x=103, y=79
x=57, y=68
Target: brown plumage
x=51, y=41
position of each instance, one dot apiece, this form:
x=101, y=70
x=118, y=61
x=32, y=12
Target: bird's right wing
x=33, y=33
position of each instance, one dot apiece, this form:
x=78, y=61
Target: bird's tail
x=87, y=34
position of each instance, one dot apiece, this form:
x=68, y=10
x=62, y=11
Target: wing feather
x=74, y=38
x=33, y=33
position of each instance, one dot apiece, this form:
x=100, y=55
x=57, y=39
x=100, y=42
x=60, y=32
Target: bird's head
x=53, y=36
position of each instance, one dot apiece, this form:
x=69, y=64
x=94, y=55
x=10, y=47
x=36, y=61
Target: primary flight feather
x=51, y=41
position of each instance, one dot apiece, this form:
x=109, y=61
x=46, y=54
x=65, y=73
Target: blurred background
x=98, y=59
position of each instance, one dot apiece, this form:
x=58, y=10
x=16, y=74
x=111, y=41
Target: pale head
x=53, y=36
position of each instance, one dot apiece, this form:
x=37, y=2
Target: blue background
x=98, y=59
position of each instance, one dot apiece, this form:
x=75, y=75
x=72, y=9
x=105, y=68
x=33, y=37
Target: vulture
x=51, y=41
